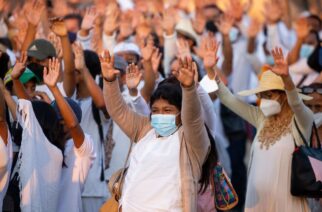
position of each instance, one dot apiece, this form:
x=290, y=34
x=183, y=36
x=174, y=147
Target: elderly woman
x=170, y=147
x=280, y=107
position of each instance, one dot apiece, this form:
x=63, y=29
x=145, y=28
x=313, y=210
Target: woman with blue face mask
x=307, y=40
x=269, y=174
x=170, y=147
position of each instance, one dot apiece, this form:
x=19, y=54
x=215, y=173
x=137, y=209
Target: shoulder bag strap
x=302, y=136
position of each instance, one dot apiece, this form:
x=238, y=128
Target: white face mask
x=270, y=107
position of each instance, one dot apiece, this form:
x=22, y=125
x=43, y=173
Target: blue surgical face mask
x=269, y=60
x=306, y=50
x=164, y=124
x=233, y=34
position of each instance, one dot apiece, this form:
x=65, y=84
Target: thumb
x=116, y=72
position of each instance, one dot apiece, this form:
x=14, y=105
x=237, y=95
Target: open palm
x=33, y=11
x=107, y=65
x=185, y=73
x=19, y=67
x=51, y=74
x=89, y=18
x=281, y=67
x=210, y=58
x=133, y=76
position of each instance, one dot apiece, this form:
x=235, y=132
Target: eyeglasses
x=308, y=90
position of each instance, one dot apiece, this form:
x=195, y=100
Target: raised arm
x=149, y=76
x=69, y=83
x=194, y=129
x=93, y=88
x=225, y=25
x=302, y=30
x=135, y=126
x=3, y=120
x=33, y=14
x=244, y=110
x=17, y=71
x=85, y=36
x=51, y=76
x=12, y=105
x=303, y=115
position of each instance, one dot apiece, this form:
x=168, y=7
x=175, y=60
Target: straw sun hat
x=270, y=81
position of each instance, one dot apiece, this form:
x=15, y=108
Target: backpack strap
x=301, y=134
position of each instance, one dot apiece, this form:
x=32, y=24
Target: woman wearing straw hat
x=269, y=177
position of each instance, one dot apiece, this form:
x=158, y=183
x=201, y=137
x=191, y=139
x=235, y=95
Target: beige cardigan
x=252, y=114
x=194, y=139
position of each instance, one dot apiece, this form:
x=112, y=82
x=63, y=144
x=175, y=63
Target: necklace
x=274, y=129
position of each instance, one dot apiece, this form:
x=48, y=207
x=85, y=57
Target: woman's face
x=162, y=106
x=272, y=95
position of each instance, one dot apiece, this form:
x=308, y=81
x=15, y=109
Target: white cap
x=127, y=47
x=184, y=26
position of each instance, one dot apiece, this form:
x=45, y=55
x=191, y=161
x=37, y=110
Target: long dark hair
x=209, y=164
x=49, y=123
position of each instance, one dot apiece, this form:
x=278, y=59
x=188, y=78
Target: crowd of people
x=165, y=89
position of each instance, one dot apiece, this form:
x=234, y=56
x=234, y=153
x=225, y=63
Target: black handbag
x=306, y=175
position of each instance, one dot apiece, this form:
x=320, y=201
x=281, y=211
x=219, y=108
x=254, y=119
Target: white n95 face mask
x=270, y=107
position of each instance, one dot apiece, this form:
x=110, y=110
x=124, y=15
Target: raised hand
x=156, y=60
x=79, y=56
x=183, y=49
x=147, y=49
x=126, y=28
x=169, y=21
x=254, y=28
x=133, y=76
x=236, y=9
x=51, y=74
x=89, y=18
x=107, y=64
x=19, y=67
x=55, y=40
x=33, y=11
x=273, y=11
x=199, y=22
x=281, y=67
x=58, y=27
x=185, y=73
x=302, y=28
x=210, y=58
x=225, y=23
x=111, y=19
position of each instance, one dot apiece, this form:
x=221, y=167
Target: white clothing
x=86, y=41
x=152, y=182
x=243, y=76
x=269, y=180
x=301, y=68
x=122, y=142
x=40, y=164
x=213, y=123
x=92, y=204
x=5, y=166
x=93, y=187
x=44, y=88
x=78, y=163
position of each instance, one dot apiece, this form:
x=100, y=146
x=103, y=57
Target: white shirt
x=122, y=142
x=78, y=163
x=60, y=85
x=5, y=166
x=94, y=187
x=152, y=182
x=39, y=164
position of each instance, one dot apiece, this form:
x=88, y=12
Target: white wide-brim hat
x=270, y=81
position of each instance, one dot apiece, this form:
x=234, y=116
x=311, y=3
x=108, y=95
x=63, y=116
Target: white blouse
x=152, y=182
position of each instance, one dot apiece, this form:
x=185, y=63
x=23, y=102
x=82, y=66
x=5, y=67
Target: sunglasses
x=308, y=90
